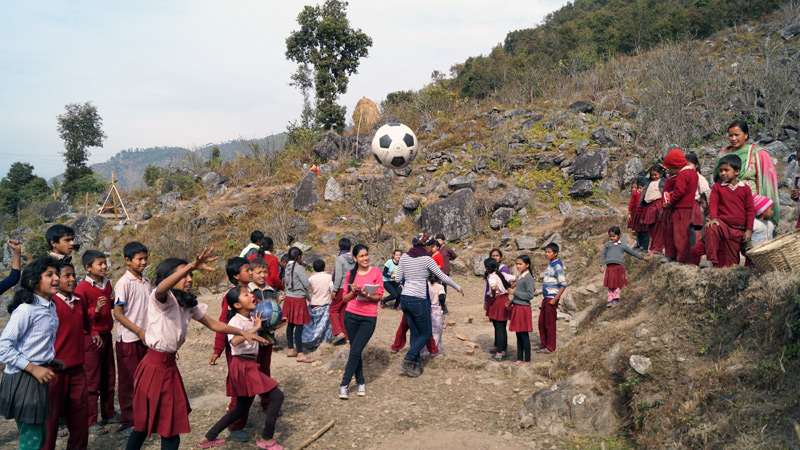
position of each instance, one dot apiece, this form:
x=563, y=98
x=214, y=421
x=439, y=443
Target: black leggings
x=137, y=438
x=523, y=346
x=294, y=333
x=359, y=330
x=500, y=335
x=394, y=293
x=242, y=406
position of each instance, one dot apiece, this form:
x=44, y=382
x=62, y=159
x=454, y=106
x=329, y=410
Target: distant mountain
x=128, y=165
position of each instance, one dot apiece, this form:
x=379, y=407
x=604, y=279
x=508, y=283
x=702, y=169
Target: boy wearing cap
x=679, y=191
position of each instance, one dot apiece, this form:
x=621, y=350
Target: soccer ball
x=270, y=312
x=394, y=145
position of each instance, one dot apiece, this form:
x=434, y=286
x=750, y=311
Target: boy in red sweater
x=730, y=208
x=679, y=191
x=274, y=279
x=132, y=292
x=68, y=390
x=96, y=290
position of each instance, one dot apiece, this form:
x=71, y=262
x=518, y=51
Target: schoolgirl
x=499, y=308
x=521, y=314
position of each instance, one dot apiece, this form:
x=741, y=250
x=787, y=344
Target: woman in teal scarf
x=758, y=171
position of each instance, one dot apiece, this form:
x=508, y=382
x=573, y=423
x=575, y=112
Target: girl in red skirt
x=498, y=310
x=295, y=304
x=521, y=315
x=611, y=258
x=652, y=204
x=160, y=403
x=700, y=200
x=634, y=211
x=245, y=379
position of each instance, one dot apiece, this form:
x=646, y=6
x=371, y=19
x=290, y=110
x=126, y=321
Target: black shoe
x=407, y=367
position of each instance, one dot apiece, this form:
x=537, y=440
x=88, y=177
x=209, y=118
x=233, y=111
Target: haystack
x=365, y=116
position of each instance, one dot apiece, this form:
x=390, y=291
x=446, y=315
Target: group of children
x=59, y=359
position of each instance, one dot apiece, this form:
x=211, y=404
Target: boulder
x=297, y=228
x=212, y=179
x=777, y=149
x=145, y=214
x=404, y=172
x=554, y=238
x=492, y=183
x=500, y=218
x=591, y=165
x=428, y=127
x=477, y=267
x=579, y=405
x=461, y=182
x=641, y=364
x=333, y=191
x=329, y=147
x=168, y=202
x=87, y=229
x=455, y=216
x=305, y=196
x=377, y=190
x=790, y=31
x=216, y=191
x=604, y=137
x=516, y=198
x=359, y=146
x=526, y=243
x=481, y=167
x=581, y=189
x=629, y=171
x=55, y=210
x=608, y=185
x=530, y=123
x=582, y=107
x=565, y=208
x=410, y=203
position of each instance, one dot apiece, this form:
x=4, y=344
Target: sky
x=188, y=73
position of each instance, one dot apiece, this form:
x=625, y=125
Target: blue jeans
x=418, y=315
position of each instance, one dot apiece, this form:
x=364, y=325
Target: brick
x=467, y=319
x=470, y=352
x=484, y=319
x=451, y=323
x=462, y=337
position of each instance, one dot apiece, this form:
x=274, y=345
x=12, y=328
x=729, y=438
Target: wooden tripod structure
x=113, y=193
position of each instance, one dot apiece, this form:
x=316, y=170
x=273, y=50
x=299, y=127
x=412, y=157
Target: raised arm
x=219, y=327
x=200, y=262
x=434, y=269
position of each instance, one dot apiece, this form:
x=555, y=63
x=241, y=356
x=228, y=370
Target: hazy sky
x=185, y=73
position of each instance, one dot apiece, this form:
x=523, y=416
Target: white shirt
x=167, y=322
x=243, y=323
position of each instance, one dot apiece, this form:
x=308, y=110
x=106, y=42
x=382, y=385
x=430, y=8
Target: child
x=700, y=199
x=262, y=291
x=27, y=350
x=611, y=260
x=259, y=286
x=283, y=262
x=634, y=211
x=554, y=283
x=130, y=309
x=319, y=330
x=652, y=203
x=389, y=284
x=497, y=255
x=252, y=248
x=437, y=256
x=521, y=315
x=68, y=392
x=730, y=209
x=13, y=276
x=436, y=294
x=499, y=309
x=160, y=403
x=240, y=274
x=96, y=290
x=763, y=227
x=246, y=377
x=344, y=264
x=679, y=191
x=274, y=268
x=61, y=240
x=295, y=308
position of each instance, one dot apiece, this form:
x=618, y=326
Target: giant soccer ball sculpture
x=394, y=145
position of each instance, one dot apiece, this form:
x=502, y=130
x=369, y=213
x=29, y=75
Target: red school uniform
x=100, y=369
x=68, y=392
x=633, y=210
x=679, y=194
x=733, y=207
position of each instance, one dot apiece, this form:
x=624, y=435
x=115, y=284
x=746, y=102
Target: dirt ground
x=456, y=394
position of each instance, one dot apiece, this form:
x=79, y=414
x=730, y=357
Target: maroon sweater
x=87, y=290
x=734, y=207
x=682, y=188
x=73, y=323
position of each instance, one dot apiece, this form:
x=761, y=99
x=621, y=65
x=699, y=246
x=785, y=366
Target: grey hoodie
x=295, y=280
x=344, y=263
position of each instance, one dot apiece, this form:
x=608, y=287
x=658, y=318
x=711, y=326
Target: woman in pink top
x=160, y=403
x=361, y=315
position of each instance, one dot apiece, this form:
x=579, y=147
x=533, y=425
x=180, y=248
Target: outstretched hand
x=461, y=291
x=203, y=258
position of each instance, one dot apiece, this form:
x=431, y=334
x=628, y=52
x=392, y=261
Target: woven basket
x=782, y=253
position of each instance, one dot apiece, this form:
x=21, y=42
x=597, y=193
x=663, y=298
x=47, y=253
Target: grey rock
x=302, y=246
x=377, y=190
x=480, y=167
x=505, y=237
x=642, y=332
x=212, y=179
x=478, y=269
x=106, y=243
x=608, y=185
x=492, y=183
x=785, y=199
x=305, y=197
x=404, y=172
x=526, y=243
x=238, y=212
x=629, y=171
x=217, y=191
x=777, y=149
x=168, y=198
x=604, y=137
x=500, y=218
x=55, y=210
x=329, y=147
x=579, y=401
x=530, y=123
x=455, y=216
x=581, y=189
x=565, y=208
x=145, y=214
x=641, y=364
x=87, y=229
x=428, y=127
x=410, y=203
x=515, y=198
x=461, y=182
x=297, y=228
x=333, y=191
x=581, y=106
x=611, y=358
x=359, y=146
x=591, y=165
x=790, y=31
x=329, y=237
x=554, y=238
x=612, y=211
x=201, y=222
x=546, y=186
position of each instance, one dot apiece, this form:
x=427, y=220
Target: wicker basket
x=782, y=253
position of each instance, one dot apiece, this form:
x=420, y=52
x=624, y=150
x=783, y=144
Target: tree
x=326, y=41
x=80, y=128
x=301, y=79
x=19, y=187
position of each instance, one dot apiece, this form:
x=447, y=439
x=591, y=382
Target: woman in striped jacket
x=413, y=271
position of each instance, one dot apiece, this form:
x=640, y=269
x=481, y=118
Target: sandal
x=97, y=430
x=62, y=433
x=305, y=359
x=214, y=443
x=289, y=355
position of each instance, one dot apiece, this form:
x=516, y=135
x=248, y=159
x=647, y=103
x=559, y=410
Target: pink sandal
x=273, y=446
x=214, y=443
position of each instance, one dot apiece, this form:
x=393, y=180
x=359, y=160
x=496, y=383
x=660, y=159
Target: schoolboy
x=553, y=285
x=259, y=286
x=132, y=292
x=252, y=248
x=68, y=393
x=96, y=290
x=61, y=240
x=679, y=191
x=344, y=263
x=239, y=273
x=731, y=214
x=274, y=276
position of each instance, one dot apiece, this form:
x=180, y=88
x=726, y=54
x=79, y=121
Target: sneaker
x=238, y=435
x=362, y=390
x=408, y=369
x=446, y=311
x=343, y=393
x=383, y=305
x=499, y=357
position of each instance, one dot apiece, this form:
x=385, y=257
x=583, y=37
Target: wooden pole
x=87, y=204
x=316, y=435
x=113, y=197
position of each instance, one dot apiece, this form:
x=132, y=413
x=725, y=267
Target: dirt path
x=457, y=393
